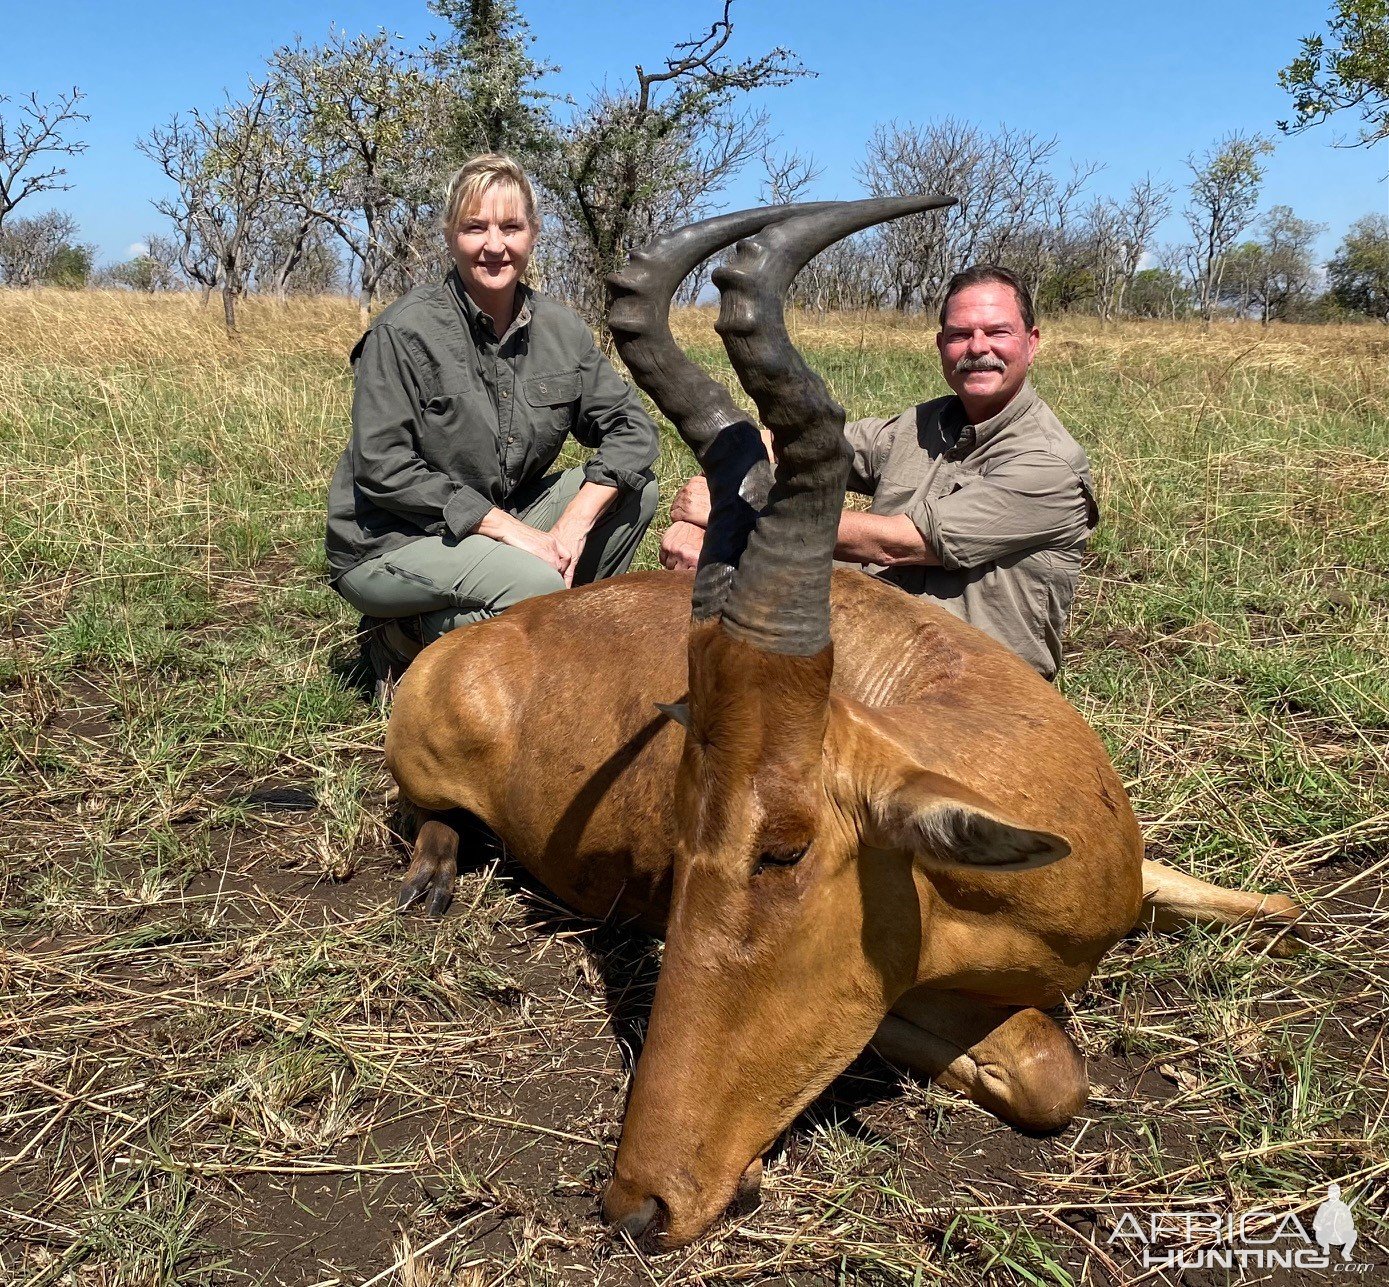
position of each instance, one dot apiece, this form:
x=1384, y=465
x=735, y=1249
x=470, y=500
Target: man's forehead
x=986, y=301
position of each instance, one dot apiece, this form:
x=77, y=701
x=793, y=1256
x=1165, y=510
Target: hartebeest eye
x=778, y=858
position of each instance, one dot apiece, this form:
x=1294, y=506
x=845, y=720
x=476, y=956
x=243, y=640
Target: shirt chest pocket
x=552, y=402
x=914, y=479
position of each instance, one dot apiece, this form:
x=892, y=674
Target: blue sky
x=1135, y=87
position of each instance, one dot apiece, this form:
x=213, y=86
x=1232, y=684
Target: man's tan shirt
x=1007, y=506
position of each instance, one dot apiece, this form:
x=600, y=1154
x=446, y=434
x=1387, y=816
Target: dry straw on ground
x=225, y=1060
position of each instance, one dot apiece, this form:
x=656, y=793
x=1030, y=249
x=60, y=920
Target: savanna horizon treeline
x=327, y=176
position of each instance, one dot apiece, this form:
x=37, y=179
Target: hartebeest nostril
x=645, y=1223
x=749, y=1192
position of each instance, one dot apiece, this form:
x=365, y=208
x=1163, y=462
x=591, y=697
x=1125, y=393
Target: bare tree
x=847, y=276
x=222, y=166
x=1053, y=242
x=290, y=253
x=1104, y=241
x=1224, y=193
x=30, y=248
x=29, y=144
x=1172, y=262
x=1114, y=237
x=646, y=156
x=787, y=176
x=1146, y=206
x=1003, y=183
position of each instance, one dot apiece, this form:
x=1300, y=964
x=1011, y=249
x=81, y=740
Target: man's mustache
x=985, y=363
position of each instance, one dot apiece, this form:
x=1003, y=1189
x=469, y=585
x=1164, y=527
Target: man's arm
x=889, y=540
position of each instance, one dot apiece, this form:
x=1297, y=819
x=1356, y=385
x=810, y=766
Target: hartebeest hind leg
x=433, y=868
x=1017, y=1063
x=1172, y=899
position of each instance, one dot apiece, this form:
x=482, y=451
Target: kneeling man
x=981, y=500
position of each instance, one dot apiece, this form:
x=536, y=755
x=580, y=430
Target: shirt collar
x=970, y=437
x=480, y=321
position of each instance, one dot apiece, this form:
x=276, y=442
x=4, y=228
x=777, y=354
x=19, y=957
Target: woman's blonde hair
x=464, y=193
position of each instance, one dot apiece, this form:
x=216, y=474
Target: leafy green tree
x=139, y=274
x=361, y=150
x=1348, y=69
x=1224, y=191
x=1287, y=272
x=492, y=78
x=1156, y=292
x=70, y=268
x=1359, y=272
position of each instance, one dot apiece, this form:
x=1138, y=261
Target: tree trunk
x=229, y=308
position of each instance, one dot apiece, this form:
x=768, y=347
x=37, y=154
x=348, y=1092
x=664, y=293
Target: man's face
x=985, y=348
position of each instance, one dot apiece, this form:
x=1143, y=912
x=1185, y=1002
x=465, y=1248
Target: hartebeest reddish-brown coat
x=854, y=817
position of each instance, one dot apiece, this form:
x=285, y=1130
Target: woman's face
x=492, y=244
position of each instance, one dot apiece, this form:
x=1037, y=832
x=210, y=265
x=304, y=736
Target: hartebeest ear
x=678, y=711
x=941, y=822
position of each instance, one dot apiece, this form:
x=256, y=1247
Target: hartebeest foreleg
x=1172, y=899
x=433, y=868
x=1017, y=1063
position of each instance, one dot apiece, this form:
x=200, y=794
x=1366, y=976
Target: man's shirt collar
x=970, y=437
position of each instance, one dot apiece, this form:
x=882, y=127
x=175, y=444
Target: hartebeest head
x=797, y=911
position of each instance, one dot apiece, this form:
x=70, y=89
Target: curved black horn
x=779, y=600
x=721, y=434
x=639, y=318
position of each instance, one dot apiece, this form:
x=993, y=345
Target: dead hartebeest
x=855, y=818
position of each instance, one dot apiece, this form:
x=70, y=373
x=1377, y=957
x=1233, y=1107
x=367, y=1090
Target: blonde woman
x=445, y=508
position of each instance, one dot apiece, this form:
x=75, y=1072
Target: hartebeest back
x=864, y=820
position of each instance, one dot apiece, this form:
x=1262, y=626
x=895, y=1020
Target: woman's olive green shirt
x=448, y=419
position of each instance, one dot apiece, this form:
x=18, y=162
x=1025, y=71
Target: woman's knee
x=648, y=501
x=520, y=577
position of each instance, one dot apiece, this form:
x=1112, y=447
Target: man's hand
x=691, y=503
x=680, y=547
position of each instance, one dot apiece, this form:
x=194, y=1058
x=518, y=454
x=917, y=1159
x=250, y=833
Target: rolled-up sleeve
x=612, y=421
x=386, y=465
x=870, y=440
x=1034, y=498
